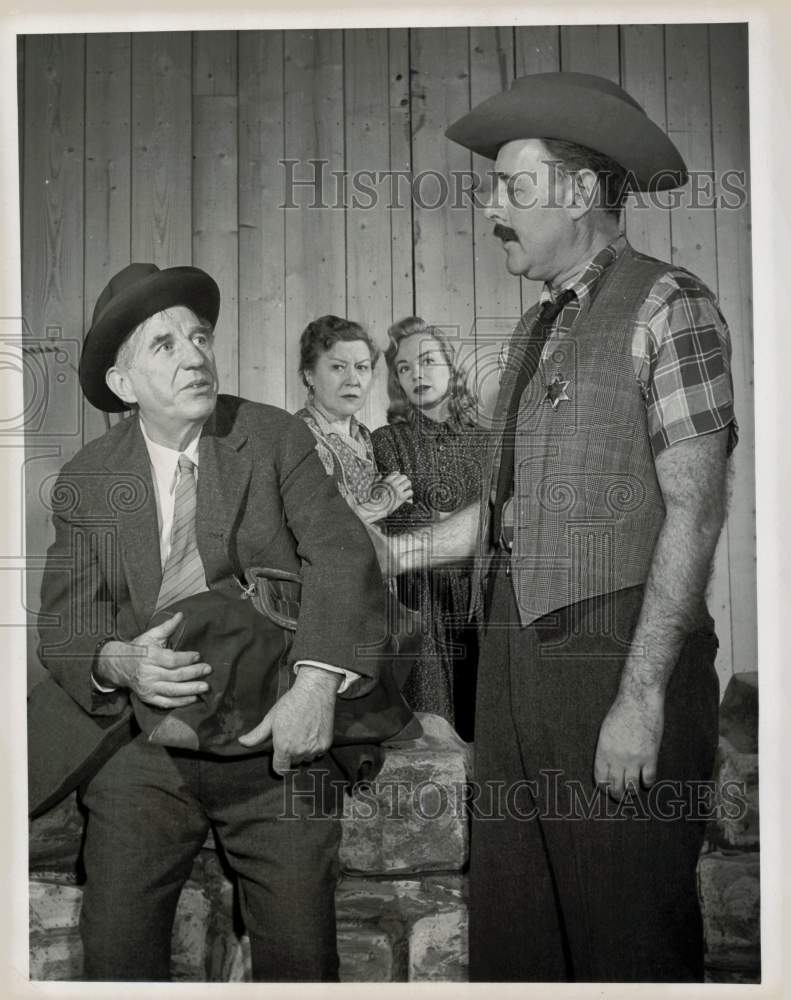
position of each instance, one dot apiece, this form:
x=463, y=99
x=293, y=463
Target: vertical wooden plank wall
x=53, y=243
x=108, y=176
x=316, y=230
x=162, y=148
x=174, y=148
x=444, y=271
x=693, y=231
x=369, y=262
x=262, y=275
x=731, y=152
x=215, y=186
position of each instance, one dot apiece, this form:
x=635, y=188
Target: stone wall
x=729, y=868
x=401, y=907
x=401, y=902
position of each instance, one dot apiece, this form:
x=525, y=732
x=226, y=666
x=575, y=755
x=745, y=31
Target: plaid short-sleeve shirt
x=681, y=351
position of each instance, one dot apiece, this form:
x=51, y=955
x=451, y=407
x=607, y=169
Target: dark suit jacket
x=264, y=499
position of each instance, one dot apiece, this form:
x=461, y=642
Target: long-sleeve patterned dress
x=444, y=463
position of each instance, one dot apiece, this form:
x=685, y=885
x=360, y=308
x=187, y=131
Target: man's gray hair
x=614, y=180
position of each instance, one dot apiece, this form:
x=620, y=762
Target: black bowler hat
x=131, y=297
x=576, y=107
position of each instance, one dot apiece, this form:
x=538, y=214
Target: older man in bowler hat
x=604, y=501
x=176, y=501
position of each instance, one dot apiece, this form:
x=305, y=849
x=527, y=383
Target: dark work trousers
x=149, y=812
x=559, y=891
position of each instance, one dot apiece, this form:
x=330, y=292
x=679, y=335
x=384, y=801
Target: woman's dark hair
x=614, y=181
x=323, y=333
x=462, y=404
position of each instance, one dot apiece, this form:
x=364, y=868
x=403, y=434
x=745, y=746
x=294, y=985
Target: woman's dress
x=444, y=463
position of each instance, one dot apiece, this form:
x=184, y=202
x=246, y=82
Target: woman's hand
x=387, y=495
x=401, y=486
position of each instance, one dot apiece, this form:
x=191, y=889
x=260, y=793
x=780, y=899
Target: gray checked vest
x=587, y=505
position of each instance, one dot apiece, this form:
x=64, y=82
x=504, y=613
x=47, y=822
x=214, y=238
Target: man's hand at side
x=691, y=474
x=158, y=676
x=301, y=722
x=629, y=741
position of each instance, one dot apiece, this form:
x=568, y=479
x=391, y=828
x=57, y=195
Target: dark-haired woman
x=431, y=438
x=337, y=358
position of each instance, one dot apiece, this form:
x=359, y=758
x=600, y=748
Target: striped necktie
x=183, y=574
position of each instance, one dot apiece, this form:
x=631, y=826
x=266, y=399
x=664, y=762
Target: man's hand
x=691, y=475
x=629, y=741
x=158, y=676
x=301, y=722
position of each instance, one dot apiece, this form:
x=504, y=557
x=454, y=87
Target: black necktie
x=535, y=344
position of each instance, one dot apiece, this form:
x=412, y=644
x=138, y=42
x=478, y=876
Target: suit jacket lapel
x=136, y=517
x=224, y=470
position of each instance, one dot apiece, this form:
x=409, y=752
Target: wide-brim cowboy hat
x=131, y=297
x=579, y=108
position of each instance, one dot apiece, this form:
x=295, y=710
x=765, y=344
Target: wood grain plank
x=731, y=152
x=368, y=238
x=444, y=268
x=107, y=175
x=590, y=49
x=693, y=233
x=214, y=63
x=215, y=236
x=162, y=148
x=689, y=126
x=643, y=76
x=498, y=300
x=537, y=51
x=262, y=282
x=491, y=72
x=52, y=278
x=399, y=193
x=315, y=229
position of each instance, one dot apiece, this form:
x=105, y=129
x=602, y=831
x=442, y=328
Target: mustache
x=504, y=233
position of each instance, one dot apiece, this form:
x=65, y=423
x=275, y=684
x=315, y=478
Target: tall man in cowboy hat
x=135, y=532
x=612, y=429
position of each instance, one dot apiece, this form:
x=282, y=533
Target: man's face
x=528, y=206
x=167, y=367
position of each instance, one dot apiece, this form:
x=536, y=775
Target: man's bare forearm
x=693, y=484
x=446, y=542
x=692, y=478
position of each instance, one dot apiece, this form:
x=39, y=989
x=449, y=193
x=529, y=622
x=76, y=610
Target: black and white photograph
x=385, y=462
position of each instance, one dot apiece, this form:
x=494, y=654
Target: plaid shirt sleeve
x=682, y=356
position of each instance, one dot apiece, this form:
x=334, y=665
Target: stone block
x=736, y=799
x=55, y=837
x=55, y=946
x=204, y=941
x=739, y=712
x=366, y=955
x=412, y=817
x=438, y=948
x=730, y=894
x=206, y=946
x=424, y=920
x=191, y=938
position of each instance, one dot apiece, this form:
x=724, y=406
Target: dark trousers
x=563, y=885
x=149, y=811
